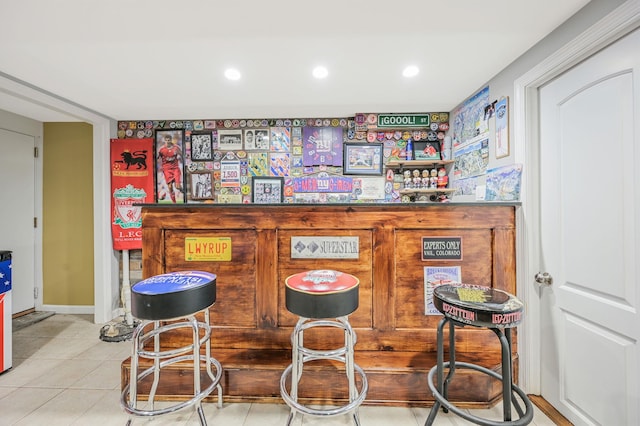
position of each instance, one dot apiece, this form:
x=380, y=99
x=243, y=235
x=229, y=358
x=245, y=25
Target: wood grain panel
x=396, y=342
x=476, y=267
x=236, y=284
x=360, y=268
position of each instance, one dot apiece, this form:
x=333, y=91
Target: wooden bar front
x=396, y=341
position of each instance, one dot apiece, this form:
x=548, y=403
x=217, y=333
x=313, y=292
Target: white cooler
x=5, y=311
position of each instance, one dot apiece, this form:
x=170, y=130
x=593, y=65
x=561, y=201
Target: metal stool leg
x=133, y=382
x=509, y=389
x=189, y=352
x=209, y=359
x=300, y=355
x=297, y=339
x=439, y=371
x=452, y=361
x=507, y=381
x=508, y=394
x=350, y=338
x=196, y=367
x=156, y=366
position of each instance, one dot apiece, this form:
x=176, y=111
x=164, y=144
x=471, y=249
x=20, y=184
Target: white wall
x=503, y=83
x=20, y=124
x=106, y=282
x=590, y=29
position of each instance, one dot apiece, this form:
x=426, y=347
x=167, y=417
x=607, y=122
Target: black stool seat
x=173, y=295
x=321, y=293
x=478, y=306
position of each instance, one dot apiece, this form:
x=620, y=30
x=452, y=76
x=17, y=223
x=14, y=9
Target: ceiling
x=161, y=59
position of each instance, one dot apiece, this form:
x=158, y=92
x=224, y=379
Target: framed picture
x=169, y=145
x=502, y=128
x=256, y=139
x=280, y=139
x=426, y=150
x=201, y=186
x=267, y=190
x=229, y=140
x=362, y=159
x=201, y=147
x=322, y=146
x=262, y=139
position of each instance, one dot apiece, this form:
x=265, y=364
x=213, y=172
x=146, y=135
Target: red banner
x=131, y=183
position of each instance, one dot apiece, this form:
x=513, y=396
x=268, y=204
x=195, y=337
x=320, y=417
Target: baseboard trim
x=69, y=309
x=549, y=410
x=23, y=313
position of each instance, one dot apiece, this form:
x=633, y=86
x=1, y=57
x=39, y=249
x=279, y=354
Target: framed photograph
x=426, y=150
x=230, y=140
x=502, y=128
x=256, y=139
x=362, y=159
x=489, y=110
x=201, y=186
x=201, y=147
x=262, y=139
x=169, y=149
x=267, y=190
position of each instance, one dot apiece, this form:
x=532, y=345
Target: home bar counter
x=253, y=248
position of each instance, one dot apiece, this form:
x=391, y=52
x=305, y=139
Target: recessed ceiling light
x=232, y=74
x=410, y=71
x=320, y=72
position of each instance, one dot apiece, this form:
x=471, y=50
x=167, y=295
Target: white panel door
x=590, y=229
x=17, y=210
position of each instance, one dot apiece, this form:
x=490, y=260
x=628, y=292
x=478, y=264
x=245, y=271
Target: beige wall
x=67, y=214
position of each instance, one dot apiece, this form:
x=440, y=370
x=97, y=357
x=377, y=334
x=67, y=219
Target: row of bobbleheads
x=320, y=298
x=426, y=179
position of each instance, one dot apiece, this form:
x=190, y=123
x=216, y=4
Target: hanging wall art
x=169, y=149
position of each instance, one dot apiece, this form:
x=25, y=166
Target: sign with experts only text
x=441, y=248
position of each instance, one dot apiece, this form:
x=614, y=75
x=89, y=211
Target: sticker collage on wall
x=337, y=160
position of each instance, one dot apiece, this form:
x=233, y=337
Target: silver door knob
x=544, y=278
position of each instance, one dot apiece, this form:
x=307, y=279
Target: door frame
x=105, y=261
x=621, y=21
x=15, y=125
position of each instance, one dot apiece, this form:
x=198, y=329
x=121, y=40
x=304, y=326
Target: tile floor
x=63, y=374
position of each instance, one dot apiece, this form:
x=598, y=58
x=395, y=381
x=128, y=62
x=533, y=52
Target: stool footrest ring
x=177, y=351
x=327, y=412
x=215, y=380
x=525, y=419
x=337, y=354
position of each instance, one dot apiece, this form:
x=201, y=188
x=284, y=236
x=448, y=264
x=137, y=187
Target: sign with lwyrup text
x=215, y=249
x=441, y=248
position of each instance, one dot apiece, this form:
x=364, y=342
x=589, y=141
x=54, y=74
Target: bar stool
x=322, y=298
x=173, y=298
x=477, y=306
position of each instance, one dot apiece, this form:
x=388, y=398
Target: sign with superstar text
x=321, y=247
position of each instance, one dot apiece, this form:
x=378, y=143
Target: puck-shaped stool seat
x=163, y=303
x=477, y=306
x=322, y=298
